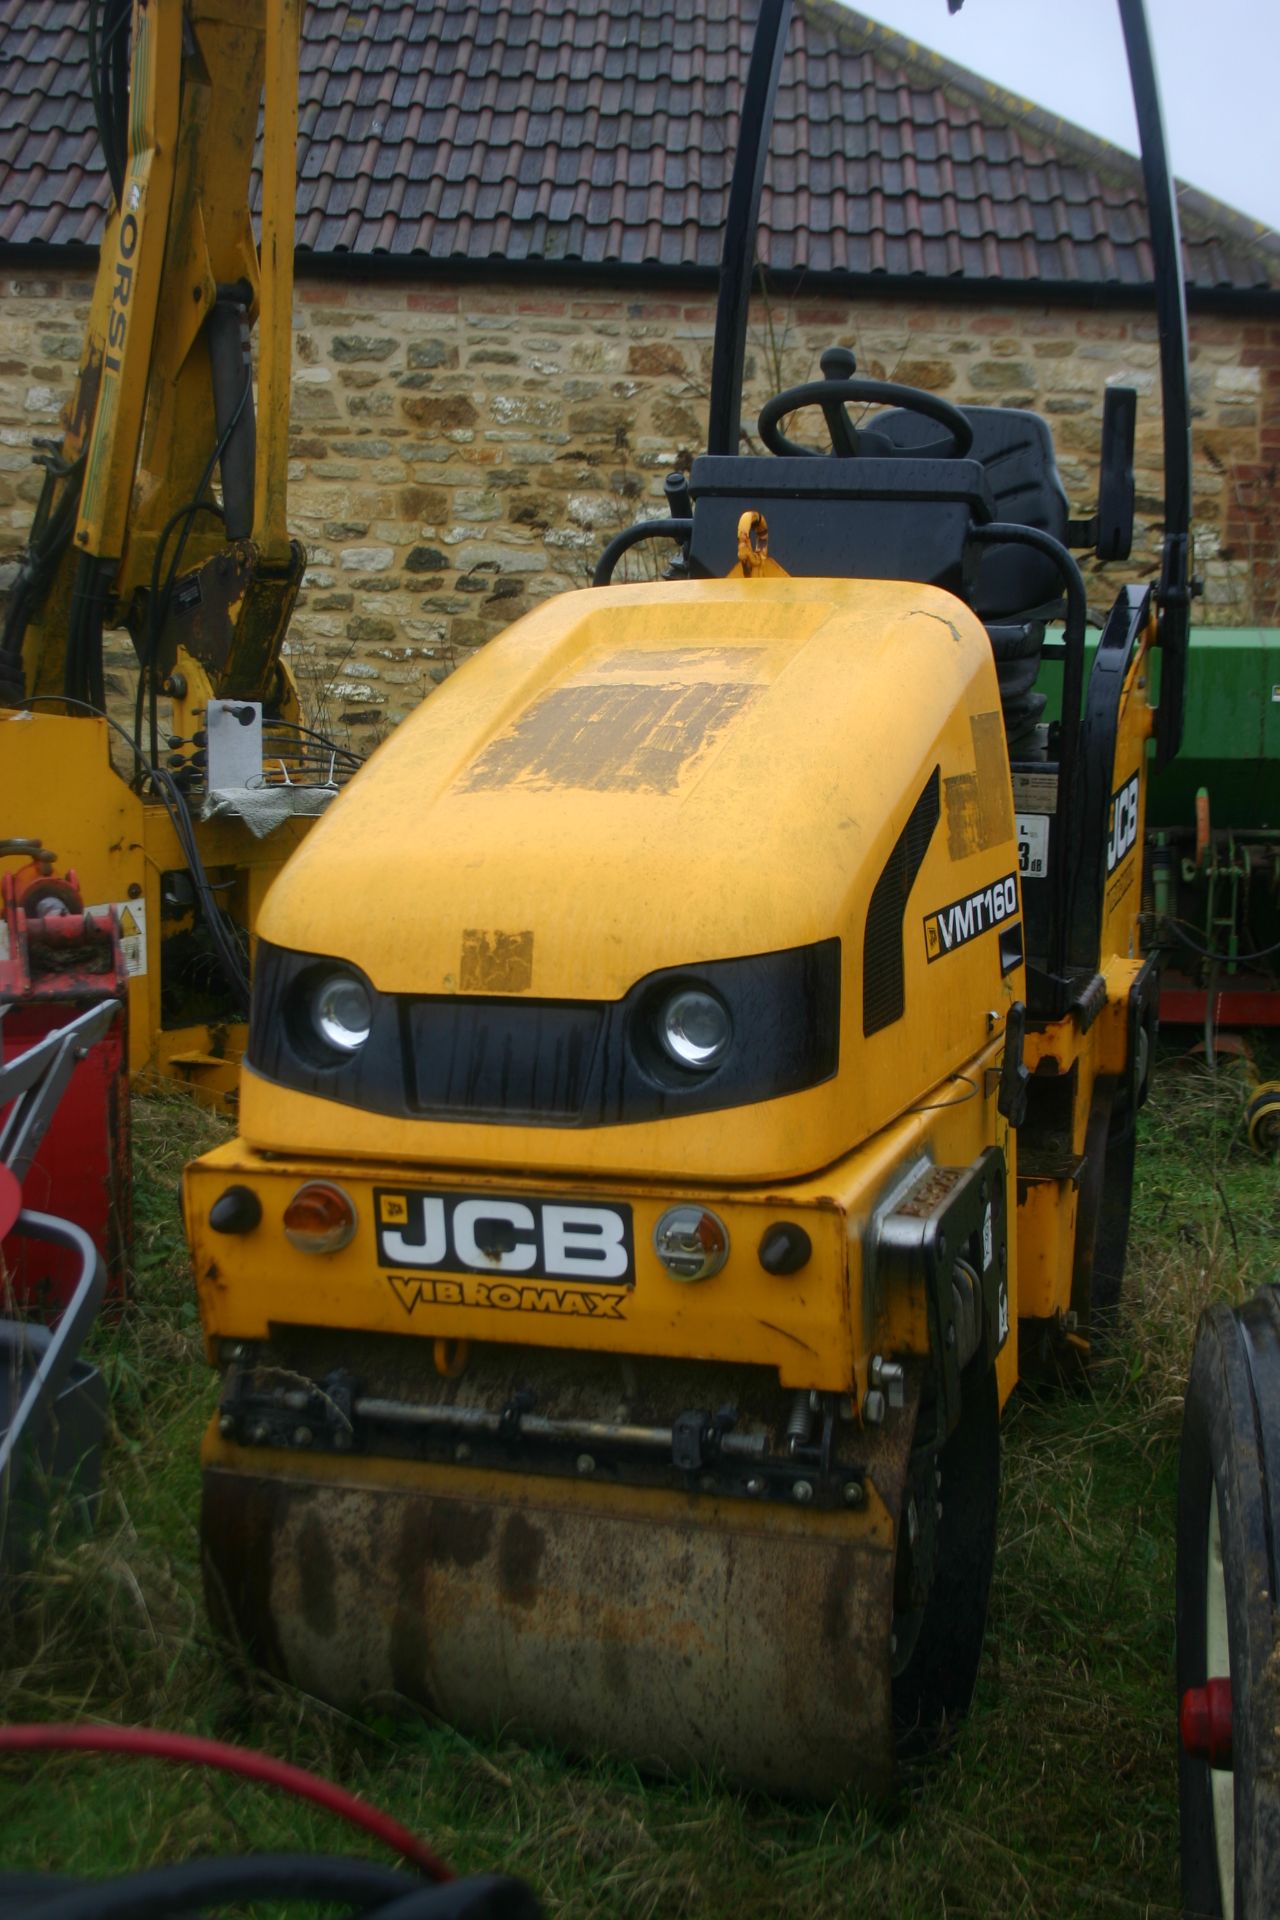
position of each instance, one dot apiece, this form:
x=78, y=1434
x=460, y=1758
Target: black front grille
x=481, y=1059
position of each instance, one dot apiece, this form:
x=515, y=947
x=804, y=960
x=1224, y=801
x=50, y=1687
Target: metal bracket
x=952, y=1213
x=1014, y=1076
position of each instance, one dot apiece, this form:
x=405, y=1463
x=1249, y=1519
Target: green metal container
x=1231, y=742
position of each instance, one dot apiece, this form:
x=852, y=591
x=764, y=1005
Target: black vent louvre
x=883, y=991
x=509, y=1059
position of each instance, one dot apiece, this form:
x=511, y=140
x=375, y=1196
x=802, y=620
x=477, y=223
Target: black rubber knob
x=838, y=363
x=238, y=1210
x=785, y=1248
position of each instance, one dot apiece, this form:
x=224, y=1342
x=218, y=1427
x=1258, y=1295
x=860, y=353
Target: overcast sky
x=1218, y=62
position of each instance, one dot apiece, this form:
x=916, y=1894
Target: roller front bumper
x=798, y=1324
x=674, y=1630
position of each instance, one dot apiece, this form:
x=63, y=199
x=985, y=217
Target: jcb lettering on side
x=1123, y=834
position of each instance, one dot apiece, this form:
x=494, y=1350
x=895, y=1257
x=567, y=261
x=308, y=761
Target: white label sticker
x=132, y=918
x=1033, y=845
x=986, y=1238
x=1004, y=1313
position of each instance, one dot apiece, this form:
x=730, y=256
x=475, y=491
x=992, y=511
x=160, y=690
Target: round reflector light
x=342, y=1012
x=691, y=1242
x=694, y=1028
x=320, y=1218
x=1204, y=1722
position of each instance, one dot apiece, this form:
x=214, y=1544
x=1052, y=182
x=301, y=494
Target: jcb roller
x=685, y=1069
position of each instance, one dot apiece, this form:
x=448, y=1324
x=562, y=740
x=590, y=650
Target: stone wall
x=462, y=450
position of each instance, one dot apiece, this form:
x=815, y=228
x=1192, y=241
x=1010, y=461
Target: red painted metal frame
x=54, y=967
x=1252, y=1001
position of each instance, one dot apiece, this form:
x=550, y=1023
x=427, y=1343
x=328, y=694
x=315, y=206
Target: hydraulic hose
x=169, y=1892
x=196, y=1886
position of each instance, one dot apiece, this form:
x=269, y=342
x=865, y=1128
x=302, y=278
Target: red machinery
x=57, y=960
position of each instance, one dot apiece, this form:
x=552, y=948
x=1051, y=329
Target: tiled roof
x=600, y=133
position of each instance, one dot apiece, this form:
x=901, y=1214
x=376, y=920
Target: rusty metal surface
x=673, y=1630
x=615, y=738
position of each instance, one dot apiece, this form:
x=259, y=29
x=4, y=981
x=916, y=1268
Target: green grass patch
x=1057, y=1797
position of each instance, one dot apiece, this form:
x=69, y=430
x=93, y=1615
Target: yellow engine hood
x=653, y=776
x=634, y=778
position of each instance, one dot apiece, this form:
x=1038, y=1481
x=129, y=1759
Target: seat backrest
x=1015, y=450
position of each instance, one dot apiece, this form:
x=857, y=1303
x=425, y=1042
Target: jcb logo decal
x=480, y=1233
x=965, y=919
x=1124, y=823
x=506, y=1297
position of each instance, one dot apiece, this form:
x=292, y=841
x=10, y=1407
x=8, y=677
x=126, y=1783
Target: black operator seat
x=902, y=509
x=1013, y=590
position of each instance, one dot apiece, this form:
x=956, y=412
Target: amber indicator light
x=320, y=1218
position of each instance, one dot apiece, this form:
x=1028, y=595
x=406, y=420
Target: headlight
x=694, y=1028
x=341, y=1011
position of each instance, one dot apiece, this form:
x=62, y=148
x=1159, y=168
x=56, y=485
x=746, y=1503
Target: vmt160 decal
x=965, y=919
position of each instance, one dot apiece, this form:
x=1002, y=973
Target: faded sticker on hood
x=613, y=738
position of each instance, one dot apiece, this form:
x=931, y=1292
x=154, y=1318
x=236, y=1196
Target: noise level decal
x=964, y=920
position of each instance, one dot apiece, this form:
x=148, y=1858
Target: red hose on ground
x=188, y=1749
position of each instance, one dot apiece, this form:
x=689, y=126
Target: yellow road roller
x=691, y=1069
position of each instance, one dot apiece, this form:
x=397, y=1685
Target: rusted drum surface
x=672, y=1629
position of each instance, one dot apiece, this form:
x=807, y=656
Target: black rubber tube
x=680, y=530
x=178, y=1892
x=164, y=1892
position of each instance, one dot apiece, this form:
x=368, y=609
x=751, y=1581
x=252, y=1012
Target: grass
x=1058, y=1796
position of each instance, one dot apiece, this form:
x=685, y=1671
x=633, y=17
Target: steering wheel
x=834, y=392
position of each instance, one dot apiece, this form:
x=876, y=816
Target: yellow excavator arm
x=128, y=529
x=163, y=512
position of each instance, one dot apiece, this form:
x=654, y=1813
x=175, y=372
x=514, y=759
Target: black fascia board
x=1247, y=301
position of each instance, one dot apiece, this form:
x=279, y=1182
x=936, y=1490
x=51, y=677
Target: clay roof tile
x=603, y=130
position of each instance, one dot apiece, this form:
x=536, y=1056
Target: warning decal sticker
x=131, y=916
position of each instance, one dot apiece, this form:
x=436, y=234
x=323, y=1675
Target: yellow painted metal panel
x=58, y=785
x=132, y=262
x=818, y=1327
x=611, y=799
